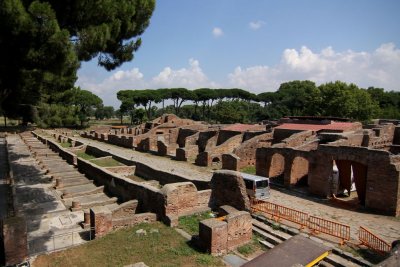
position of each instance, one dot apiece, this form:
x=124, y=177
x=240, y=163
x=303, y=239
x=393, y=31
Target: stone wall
x=228, y=189
x=230, y=162
x=382, y=190
x=281, y=134
x=247, y=150
x=165, y=177
x=220, y=235
x=183, y=199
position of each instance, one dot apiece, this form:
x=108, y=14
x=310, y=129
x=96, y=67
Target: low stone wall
x=125, y=189
x=146, y=217
x=97, y=152
x=220, y=236
x=164, y=177
x=120, y=140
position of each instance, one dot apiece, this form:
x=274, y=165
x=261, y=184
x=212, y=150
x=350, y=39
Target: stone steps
x=278, y=234
x=81, y=191
x=268, y=237
x=75, y=182
x=89, y=201
x=336, y=257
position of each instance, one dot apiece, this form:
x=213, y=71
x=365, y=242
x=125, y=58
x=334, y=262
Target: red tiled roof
x=239, y=127
x=341, y=126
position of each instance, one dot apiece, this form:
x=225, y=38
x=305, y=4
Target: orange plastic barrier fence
x=281, y=212
x=372, y=241
x=332, y=228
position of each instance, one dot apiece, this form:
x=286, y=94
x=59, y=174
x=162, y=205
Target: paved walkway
x=189, y=171
x=386, y=227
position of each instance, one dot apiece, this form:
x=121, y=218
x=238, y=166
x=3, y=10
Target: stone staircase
x=271, y=237
x=75, y=189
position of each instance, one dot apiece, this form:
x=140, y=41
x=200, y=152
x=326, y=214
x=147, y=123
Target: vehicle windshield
x=262, y=184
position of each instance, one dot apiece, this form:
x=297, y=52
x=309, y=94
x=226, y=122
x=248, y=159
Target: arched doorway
x=351, y=177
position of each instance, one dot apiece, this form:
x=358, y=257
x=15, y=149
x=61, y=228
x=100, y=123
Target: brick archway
x=350, y=171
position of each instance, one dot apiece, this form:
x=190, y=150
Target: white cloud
x=217, y=32
x=191, y=77
x=255, y=25
x=379, y=68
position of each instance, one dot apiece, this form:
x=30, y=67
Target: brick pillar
x=213, y=236
x=239, y=229
x=15, y=240
x=100, y=220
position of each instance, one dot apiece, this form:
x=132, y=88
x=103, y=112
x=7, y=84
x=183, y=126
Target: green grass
x=124, y=246
x=10, y=122
x=249, y=169
x=65, y=144
x=251, y=247
x=107, y=162
x=83, y=155
x=190, y=224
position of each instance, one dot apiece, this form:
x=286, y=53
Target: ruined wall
x=183, y=199
x=204, y=139
x=297, y=139
x=224, y=136
x=121, y=140
x=396, y=136
x=382, y=191
x=184, y=133
x=125, y=189
x=281, y=134
x=228, y=189
x=165, y=177
x=247, y=150
x=217, y=236
x=230, y=162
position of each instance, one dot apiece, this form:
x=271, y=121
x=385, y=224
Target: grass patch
x=83, y=155
x=107, y=162
x=66, y=144
x=249, y=169
x=252, y=247
x=190, y=224
x=123, y=247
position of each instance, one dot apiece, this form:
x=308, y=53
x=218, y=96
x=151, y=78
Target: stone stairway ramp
x=74, y=182
x=88, y=201
x=271, y=237
x=80, y=190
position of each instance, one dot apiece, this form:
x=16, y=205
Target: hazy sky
x=258, y=44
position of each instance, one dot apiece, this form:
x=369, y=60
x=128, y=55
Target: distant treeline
x=295, y=98
x=74, y=107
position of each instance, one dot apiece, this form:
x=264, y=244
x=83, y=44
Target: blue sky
x=258, y=44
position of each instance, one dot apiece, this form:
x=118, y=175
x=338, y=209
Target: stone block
x=239, y=229
x=100, y=220
x=213, y=236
